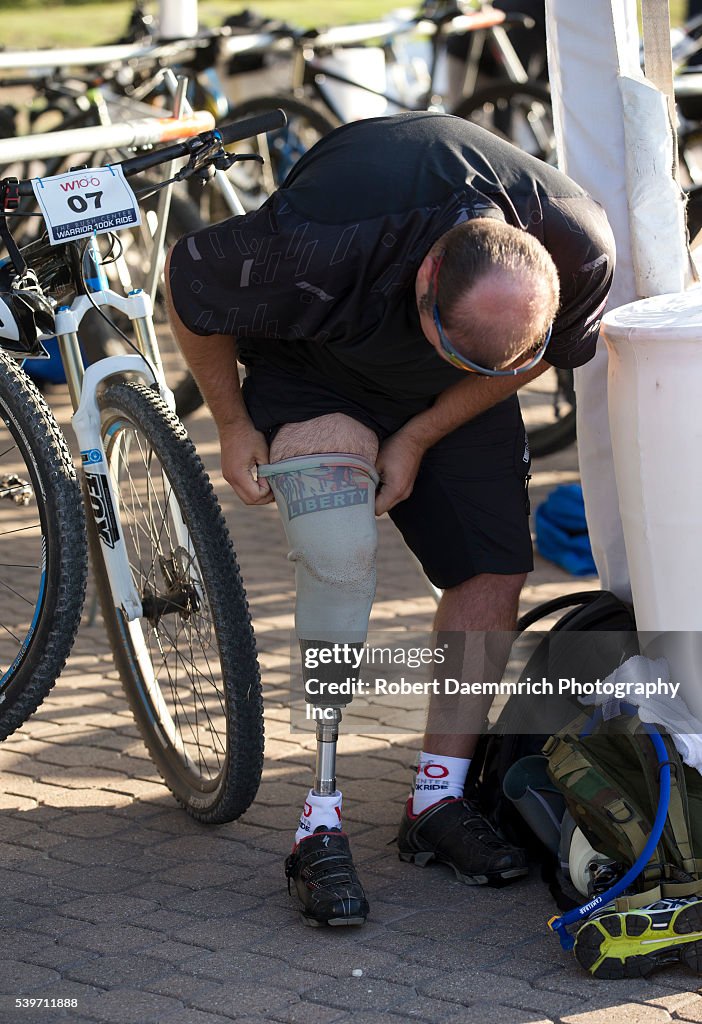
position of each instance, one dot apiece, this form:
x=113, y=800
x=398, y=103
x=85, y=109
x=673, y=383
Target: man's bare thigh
x=335, y=432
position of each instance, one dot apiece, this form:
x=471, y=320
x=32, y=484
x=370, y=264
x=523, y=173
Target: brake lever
x=225, y=161
x=207, y=153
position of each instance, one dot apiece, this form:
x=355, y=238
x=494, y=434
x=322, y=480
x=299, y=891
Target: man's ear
x=425, y=272
x=423, y=284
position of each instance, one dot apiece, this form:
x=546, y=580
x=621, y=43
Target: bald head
x=497, y=290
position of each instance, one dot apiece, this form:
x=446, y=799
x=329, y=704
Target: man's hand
x=243, y=449
x=398, y=464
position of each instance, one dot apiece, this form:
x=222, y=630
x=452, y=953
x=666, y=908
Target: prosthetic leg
x=325, y=768
x=327, y=505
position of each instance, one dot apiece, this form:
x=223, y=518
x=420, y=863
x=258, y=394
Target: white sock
x=319, y=810
x=438, y=777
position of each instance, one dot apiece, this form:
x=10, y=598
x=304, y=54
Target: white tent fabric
x=586, y=55
x=656, y=208
x=614, y=140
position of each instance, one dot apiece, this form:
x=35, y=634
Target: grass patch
x=92, y=24
x=36, y=24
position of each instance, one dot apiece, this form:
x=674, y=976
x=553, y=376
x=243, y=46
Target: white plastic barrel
x=177, y=19
x=655, y=412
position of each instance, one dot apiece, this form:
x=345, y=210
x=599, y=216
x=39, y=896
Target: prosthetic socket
x=327, y=505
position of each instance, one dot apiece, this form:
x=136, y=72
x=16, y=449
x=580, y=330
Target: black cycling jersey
x=319, y=283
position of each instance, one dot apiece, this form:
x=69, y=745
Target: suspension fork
x=83, y=385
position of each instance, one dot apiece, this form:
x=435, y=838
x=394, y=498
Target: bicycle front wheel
x=519, y=113
x=43, y=555
x=188, y=664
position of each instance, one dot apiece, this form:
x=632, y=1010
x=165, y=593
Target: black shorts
x=469, y=510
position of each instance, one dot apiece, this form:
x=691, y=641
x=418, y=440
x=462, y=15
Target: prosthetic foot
x=326, y=881
x=320, y=865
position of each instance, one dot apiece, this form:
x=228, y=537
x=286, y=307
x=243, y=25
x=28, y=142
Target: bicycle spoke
x=180, y=643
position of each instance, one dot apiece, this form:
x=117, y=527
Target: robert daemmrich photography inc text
x=391, y=675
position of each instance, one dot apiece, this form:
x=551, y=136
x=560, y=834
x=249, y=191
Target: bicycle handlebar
x=237, y=131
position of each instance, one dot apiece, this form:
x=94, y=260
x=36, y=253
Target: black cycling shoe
x=454, y=832
x=326, y=881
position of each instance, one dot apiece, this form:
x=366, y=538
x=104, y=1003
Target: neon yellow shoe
x=633, y=943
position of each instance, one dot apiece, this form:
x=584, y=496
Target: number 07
x=79, y=204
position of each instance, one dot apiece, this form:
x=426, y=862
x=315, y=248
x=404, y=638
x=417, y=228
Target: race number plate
x=79, y=203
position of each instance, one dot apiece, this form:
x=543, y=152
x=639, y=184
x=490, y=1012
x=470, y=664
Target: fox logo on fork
x=101, y=505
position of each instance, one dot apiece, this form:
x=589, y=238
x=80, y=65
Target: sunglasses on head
x=463, y=363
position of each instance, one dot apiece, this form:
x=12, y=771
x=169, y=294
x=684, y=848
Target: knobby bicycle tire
x=520, y=113
x=306, y=125
x=97, y=337
x=554, y=437
x=198, y=707
x=43, y=551
x=549, y=411
x=694, y=211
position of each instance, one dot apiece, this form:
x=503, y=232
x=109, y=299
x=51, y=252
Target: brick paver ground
x=114, y=898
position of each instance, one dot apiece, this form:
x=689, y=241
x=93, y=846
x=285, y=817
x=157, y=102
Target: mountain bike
x=325, y=92
x=169, y=585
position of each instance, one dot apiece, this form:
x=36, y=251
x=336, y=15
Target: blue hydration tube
x=560, y=924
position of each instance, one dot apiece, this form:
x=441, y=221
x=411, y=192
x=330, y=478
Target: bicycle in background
x=335, y=79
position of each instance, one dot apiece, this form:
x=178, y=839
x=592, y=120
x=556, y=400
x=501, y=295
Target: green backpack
x=609, y=779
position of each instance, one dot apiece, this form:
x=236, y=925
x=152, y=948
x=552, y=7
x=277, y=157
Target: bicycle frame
x=483, y=26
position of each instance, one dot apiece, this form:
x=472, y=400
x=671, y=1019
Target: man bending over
x=388, y=301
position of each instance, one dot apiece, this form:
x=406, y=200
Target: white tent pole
x=658, y=57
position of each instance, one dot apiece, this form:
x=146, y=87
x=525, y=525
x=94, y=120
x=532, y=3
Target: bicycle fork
x=83, y=385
